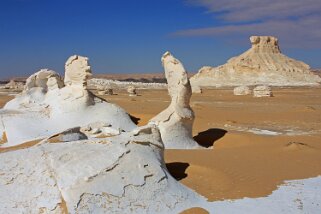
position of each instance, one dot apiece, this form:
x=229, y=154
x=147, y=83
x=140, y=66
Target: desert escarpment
x=263, y=64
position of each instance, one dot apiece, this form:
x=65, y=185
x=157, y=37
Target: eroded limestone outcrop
x=77, y=71
x=40, y=79
x=263, y=64
x=104, y=90
x=175, y=123
x=125, y=173
x=47, y=105
x=14, y=85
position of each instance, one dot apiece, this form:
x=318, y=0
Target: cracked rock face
x=125, y=173
x=46, y=106
x=175, y=123
x=263, y=63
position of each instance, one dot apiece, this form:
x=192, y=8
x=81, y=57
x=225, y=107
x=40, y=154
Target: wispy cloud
x=296, y=22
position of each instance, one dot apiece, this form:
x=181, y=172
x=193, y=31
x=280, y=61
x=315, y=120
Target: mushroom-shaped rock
x=262, y=91
x=120, y=174
x=175, y=123
x=45, y=107
x=242, y=90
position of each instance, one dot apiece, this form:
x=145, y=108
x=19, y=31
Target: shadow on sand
x=177, y=170
x=207, y=138
x=134, y=119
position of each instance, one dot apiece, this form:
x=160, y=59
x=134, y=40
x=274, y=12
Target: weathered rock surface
x=46, y=107
x=175, y=123
x=263, y=64
x=262, y=91
x=77, y=71
x=242, y=90
x=40, y=80
x=121, y=174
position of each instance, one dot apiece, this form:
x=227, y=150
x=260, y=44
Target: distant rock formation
x=95, y=83
x=131, y=91
x=262, y=91
x=175, y=123
x=263, y=63
x=104, y=90
x=242, y=90
x=14, y=85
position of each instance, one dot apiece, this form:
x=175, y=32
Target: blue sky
x=130, y=36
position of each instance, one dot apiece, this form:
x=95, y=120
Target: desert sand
x=285, y=144
x=254, y=143
x=241, y=164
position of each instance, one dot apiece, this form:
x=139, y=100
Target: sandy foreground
x=254, y=143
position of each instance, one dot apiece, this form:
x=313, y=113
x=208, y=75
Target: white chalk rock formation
x=94, y=83
x=263, y=64
x=14, y=85
x=242, y=90
x=175, y=123
x=104, y=90
x=40, y=79
x=262, y=91
x=131, y=91
x=121, y=174
x=77, y=71
x=45, y=107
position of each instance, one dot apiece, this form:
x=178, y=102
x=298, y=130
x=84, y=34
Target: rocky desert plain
x=244, y=137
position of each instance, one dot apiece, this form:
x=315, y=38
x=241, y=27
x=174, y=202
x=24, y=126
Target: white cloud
x=252, y=10
x=297, y=23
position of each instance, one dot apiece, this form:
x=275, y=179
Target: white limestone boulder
x=131, y=91
x=46, y=107
x=176, y=122
x=242, y=90
x=121, y=174
x=262, y=91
